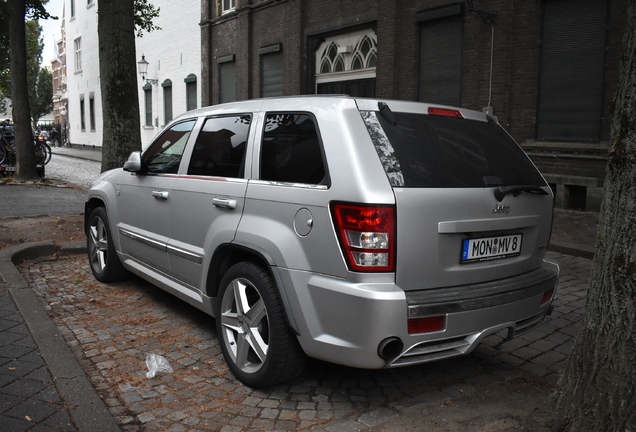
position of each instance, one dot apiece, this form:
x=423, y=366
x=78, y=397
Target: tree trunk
x=118, y=78
x=597, y=388
x=25, y=149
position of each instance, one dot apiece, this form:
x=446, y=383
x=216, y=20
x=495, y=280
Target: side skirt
x=187, y=293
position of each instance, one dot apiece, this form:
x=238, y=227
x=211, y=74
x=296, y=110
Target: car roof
x=364, y=104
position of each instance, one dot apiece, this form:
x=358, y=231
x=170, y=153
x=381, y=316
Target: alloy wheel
x=98, y=244
x=245, y=324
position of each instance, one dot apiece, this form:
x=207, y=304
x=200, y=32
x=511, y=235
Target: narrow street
x=80, y=172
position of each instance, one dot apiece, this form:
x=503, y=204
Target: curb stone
x=85, y=405
x=73, y=248
x=30, y=183
x=573, y=250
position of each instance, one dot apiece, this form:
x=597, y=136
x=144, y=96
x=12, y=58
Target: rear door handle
x=163, y=195
x=224, y=203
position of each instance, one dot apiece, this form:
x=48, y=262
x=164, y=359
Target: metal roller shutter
x=441, y=61
x=227, y=82
x=572, y=70
x=272, y=75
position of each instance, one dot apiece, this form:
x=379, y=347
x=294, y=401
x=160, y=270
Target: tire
x=258, y=345
x=3, y=152
x=49, y=152
x=42, y=153
x=102, y=257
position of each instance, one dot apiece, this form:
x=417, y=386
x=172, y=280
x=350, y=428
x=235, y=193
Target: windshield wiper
x=516, y=190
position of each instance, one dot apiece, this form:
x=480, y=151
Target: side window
x=291, y=150
x=220, y=147
x=164, y=156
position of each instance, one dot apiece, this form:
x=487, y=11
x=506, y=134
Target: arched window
x=332, y=61
x=191, y=91
x=346, y=64
x=365, y=54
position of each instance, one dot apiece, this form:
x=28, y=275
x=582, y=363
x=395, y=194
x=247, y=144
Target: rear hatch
x=470, y=205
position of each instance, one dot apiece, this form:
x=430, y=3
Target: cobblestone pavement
x=110, y=328
x=81, y=172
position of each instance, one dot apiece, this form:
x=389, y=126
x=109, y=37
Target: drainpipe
x=488, y=19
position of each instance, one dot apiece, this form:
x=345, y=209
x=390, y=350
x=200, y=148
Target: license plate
x=491, y=248
x=9, y=168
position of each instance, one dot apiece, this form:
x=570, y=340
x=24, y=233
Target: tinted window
x=437, y=151
x=291, y=150
x=164, y=156
x=220, y=147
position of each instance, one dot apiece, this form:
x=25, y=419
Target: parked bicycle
x=7, y=143
x=7, y=146
x=42, y=150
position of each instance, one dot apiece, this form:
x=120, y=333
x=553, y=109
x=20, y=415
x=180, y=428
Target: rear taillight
x=367, y=236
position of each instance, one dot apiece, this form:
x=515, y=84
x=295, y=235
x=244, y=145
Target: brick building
x=59, y=81
x=547, y=69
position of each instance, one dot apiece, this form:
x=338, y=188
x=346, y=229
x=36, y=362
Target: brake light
x=367, y=236
x=444, y=112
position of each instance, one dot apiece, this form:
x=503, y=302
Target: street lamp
x=143, y=70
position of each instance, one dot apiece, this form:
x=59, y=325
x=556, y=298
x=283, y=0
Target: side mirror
x=133, y=164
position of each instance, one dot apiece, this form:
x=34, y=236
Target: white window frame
x=78, y=54
x=348, y=49
x=227, y=6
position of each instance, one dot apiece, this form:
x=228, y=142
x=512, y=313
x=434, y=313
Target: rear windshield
x=419, y=150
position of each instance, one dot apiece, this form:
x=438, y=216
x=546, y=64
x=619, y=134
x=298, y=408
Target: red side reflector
x=444, y=112
x=547, y=295
x=426, y=325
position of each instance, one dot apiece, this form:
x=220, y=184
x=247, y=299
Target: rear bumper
x=348, y=323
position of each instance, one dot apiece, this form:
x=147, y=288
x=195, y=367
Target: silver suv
x=369, y=233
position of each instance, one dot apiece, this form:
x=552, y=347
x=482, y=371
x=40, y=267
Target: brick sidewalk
x=110, y=328
x=29, y=393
